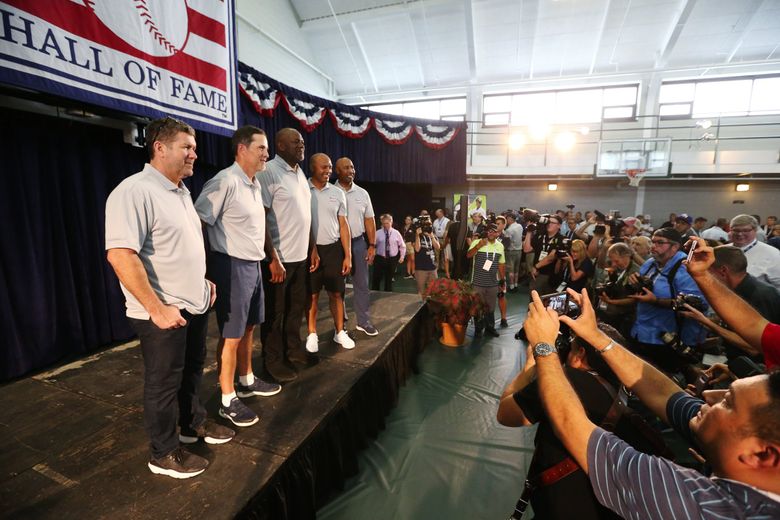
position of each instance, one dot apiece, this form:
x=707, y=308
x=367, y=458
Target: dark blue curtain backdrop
x=60, y=299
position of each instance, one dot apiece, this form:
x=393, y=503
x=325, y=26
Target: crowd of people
x=642, y=307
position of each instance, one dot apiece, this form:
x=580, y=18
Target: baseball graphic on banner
x=156, y=27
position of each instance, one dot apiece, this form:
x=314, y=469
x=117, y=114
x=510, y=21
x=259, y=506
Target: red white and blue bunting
x=354, y=124
x=309, y=115
x=263, y=97
x=394, y=132
x=350, y=125
x=436, y=137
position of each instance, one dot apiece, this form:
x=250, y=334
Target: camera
x=563, y=249
x=533, y=219
x=697, y=302
x=611, y=288
x=570, y=206
x=642, y=282
x=673, y=341
x=423, y=222
x=482, y=229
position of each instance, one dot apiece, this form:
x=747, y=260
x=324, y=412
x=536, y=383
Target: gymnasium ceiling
x=375, y=46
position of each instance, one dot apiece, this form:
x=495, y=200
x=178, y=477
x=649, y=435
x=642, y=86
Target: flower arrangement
x=453, y=301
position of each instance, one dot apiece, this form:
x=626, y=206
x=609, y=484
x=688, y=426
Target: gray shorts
x=240, y=301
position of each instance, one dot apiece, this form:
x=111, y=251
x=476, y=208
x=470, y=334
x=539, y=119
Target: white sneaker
x=343, y=339
x=312, y=343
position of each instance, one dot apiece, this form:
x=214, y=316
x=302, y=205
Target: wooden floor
x=72, y=443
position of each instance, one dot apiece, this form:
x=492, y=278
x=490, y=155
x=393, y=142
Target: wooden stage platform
x=73, y=444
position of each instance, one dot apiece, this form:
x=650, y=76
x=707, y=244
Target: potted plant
x=453, y=303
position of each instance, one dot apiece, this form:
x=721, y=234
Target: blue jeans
x=173, y=366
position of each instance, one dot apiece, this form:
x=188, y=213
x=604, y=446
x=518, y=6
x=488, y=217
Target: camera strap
x=568, y=466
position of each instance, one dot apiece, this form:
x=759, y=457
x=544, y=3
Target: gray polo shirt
x=287, y=200
x=327, y=205
x=232, y=207
x=359, y=208
x=155, y=218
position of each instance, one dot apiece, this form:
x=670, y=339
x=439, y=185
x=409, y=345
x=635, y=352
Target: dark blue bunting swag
x=394, y=132
x=309, y=115
x=350, y=125
x=436, y=136
x=262, y=95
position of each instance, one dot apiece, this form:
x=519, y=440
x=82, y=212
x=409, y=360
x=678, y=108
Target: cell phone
x=701, y=383
x=691, y=250
x=559, y=302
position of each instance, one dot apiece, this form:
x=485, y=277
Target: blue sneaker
x=369, y=329
x=259, y=387
x=238, y=413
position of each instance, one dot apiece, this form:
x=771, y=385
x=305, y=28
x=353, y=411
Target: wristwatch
x=372, y=245
x=544, y=350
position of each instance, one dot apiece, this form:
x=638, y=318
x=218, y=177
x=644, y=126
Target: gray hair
x=744, y=220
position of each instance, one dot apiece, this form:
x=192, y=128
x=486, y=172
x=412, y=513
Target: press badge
x=486, y=266
x=542, y=256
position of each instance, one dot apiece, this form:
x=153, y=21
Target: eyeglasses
x=661, y=242
x=741, y=231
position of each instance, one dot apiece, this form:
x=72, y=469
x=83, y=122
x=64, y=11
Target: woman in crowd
x=641, y=247
x=425, y=247
x=408, y=233
x=615, y=307
x=577, y=268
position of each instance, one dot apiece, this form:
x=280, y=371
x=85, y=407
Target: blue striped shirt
x=640, y=486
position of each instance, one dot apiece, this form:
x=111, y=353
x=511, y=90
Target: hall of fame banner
x=145, y=57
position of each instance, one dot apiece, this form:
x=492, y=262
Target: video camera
x=422, y=222
x=614, y=222
x=533, y=219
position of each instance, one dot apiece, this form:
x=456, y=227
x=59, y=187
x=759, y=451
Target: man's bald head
x=290, y=145
x=345, y=171
x=320, y=168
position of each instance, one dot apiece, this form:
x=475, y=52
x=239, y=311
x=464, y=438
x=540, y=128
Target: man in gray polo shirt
x=287, y=202
x=155, y=245
x=331, y=234
x=232, y=208
x=362, y=226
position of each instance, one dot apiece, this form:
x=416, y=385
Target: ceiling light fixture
x=565, y=141
x=552, y=187
x=743, y=187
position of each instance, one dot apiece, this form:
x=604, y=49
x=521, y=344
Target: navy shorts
x=328, y=274
x=239, y=294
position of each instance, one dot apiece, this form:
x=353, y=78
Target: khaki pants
x=423, y=278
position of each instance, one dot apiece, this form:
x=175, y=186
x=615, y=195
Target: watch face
x=543, y=349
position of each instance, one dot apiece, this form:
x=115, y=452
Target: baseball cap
x=670, y=234
x=684, y=217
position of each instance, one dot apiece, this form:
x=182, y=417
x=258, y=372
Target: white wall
x=277, y=18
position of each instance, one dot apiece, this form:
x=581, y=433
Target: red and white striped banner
x=150, y=57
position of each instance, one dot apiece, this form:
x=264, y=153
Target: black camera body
x=482, y=230
x=423, y=222
x=611, y=288
x=534, y=220
x=695, y=301
x=642, y=282
x=673, y=341
x=563, y=249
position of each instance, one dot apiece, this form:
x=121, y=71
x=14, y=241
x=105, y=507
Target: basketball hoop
x=635, y=175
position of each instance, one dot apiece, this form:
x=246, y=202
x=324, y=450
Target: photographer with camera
x=487, y=275
x=425, y=247
x=757, y=331
x=574, y=263
x=660, y=334
x=736, y=430
x=615, y=307
x=730, y=268
x=546, y=244
x=552, y=473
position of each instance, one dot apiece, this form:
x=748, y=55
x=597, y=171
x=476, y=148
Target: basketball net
x=635, y=175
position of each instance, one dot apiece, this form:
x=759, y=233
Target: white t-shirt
x=440, y=227
x=763, y=262
x=287, y=200
x=232, y=207
x=155, y=218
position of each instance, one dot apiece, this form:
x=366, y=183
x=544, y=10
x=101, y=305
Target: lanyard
x=751, y=246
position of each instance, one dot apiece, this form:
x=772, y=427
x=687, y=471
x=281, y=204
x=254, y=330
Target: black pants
x=285, y=304
x=173, y=366
x=384, y=268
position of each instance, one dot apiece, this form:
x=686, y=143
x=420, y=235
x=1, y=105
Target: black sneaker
x=210, y=431
x=238, y=413
x=369, y=329
x=179, y=464
x=504, y=324
x=259, y=387
x=490, y=331
x=281, y=372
